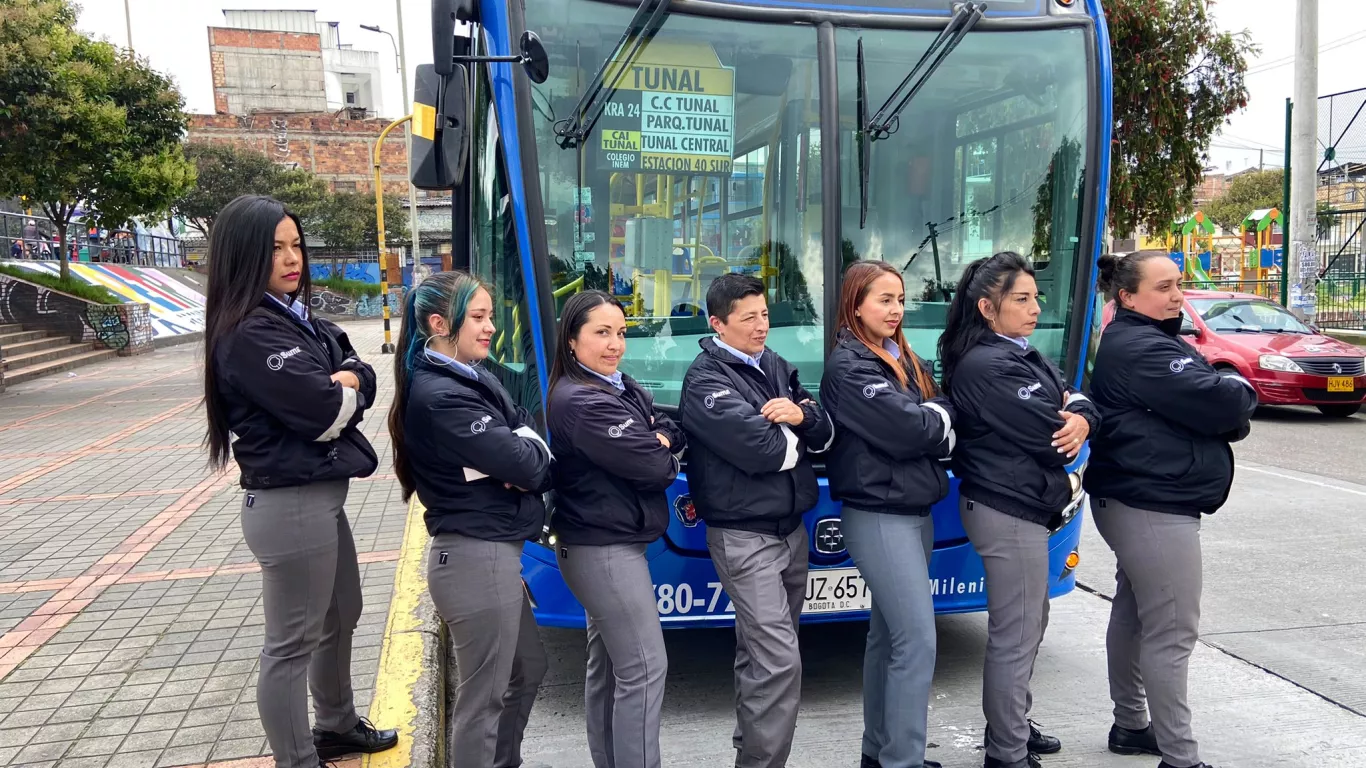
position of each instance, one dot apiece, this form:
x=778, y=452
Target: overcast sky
x=172, y=33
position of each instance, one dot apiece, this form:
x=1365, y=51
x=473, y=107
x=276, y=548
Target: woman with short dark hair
x=285, y=394
x=1018, y=428
x=1160, y=461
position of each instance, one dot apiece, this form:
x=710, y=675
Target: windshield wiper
x=573, y=130
x=887, y=119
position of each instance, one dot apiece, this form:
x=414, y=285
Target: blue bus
x=645, y=148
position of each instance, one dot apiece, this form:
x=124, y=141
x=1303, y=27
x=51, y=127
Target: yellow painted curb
x=399, y=699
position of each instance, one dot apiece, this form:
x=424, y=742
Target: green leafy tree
x=1177, y=79
x=224, y=172
x=1245, y=194
x=348, y=220
x=82, y=125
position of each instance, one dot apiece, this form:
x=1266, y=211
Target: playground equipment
x=1192, y=256
x=1262, y=244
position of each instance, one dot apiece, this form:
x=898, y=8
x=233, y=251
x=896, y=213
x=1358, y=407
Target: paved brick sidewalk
x=130, y=608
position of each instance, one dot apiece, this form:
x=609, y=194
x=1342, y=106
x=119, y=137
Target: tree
x=82, y=125
x=224, y=172
x=1177, y=78
x=347, y=220
x=1250, y=192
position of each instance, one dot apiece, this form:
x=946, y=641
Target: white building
x=352, y=78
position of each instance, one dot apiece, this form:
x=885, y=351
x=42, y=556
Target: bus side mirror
x=535, y=60
x=440, y=128
x=445, y=14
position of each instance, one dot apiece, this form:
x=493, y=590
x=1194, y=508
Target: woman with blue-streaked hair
x=479, y=469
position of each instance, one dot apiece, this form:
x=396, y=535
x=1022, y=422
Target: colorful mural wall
x=176, y=309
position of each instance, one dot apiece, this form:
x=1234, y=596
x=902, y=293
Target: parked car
x=1287, y=361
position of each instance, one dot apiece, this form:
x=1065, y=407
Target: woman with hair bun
x=1160, y=461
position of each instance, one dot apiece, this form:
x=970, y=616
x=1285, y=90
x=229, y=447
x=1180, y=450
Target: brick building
x=335, y=148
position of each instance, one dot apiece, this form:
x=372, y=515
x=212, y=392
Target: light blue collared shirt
x=741, y=356
x=464, y=370
x=296, y=308
x=892, y=348
x=614, y=379
x=1023, y=341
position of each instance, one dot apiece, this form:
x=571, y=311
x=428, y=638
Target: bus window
x=987, y=158
x=705, y=161
x=495, y=260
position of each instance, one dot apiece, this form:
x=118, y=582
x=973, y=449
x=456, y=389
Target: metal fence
x=35, y=237
x=1341, y=296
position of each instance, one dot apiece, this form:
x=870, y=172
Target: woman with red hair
x=891, y=430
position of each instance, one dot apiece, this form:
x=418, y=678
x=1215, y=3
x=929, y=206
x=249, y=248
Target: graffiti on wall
x=126, y=328
x=332, y=303
x=365, y=272
x=175, y=308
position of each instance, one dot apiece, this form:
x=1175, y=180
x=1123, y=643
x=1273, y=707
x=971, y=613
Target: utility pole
x=1261, y=159
x=408, y=132
x=1301, y=258
x=128, y=20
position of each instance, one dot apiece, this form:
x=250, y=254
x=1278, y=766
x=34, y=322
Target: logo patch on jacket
x=479, y=426
x=872, y=389
x=617, y=430
x=1027, y=392
x=277, y=361
x=710, y=400
x=1178, y=366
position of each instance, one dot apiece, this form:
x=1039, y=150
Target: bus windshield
x=707, y=160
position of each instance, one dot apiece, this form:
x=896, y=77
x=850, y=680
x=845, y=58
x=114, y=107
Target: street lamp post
x=401, y=62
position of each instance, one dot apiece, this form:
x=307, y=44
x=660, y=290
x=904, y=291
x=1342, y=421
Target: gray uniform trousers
x=765, y=578
x=1154, y=621
x=624, y=687
x=477, y=588
x=310, y=587
x=893, y=554
x=1014, y=553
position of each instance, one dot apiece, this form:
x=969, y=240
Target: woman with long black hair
x=1018, y=427
x=615, y=456
x=1160, y=462
x=476, y=464
x=284, y=393
x=891, y=429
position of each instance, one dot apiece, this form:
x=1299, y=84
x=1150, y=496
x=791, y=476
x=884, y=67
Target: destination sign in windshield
x=673, y=112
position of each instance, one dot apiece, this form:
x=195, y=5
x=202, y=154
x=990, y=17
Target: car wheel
x=1339, y=411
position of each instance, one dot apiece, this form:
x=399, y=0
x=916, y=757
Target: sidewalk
x=130, y=608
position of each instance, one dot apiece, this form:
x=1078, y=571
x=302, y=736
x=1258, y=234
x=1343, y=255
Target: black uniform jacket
x=888, y=438
x=1007, y=401
x=1169, y=417
x=467, y=442
x=292, y=425
x=610, y=469
x=745, y=472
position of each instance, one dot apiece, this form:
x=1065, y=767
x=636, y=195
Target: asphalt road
x=1278, y=680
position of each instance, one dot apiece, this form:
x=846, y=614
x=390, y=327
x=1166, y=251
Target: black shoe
x=1039, y=744
x=1165, y=764
x=365, y=737
x=1031, y=761
x=1126, y=742
x=933, y=764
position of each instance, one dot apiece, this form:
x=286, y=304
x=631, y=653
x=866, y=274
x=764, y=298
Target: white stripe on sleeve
x=531, y=434
x=1076, y=397
x=473, y=474
x=348, y=409
x=790, y=459
x=943, y=416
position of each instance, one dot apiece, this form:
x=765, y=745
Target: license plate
x=1340, y=383
x=832, y=590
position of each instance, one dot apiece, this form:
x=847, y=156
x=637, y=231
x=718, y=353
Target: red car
x=1288, y=362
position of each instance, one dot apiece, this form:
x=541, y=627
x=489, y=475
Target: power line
x=1288, y=60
